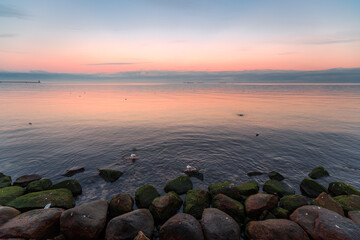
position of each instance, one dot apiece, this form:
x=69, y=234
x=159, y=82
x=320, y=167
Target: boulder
x=180, y=185
x=355, y=216
x=325, y=201
x=266, y=214
x=230, y=206
x=318, y=172
x=5, y=181
x=61, y=198
x=39, y=185
x=321, y=223
x=292, y=202
x=216, y=188
x=248, y=188
x=280, y=213
x=195, y=173
x=311, y=188
x=128, y=225
x=35, y=224
x=349, y=202
x=195, y=202
x=8, y=194
x=256, y=204
x=182, y=226
x=278, y=188
x=85, y=221
x=70, y=184
x=218, y=225
x=110, y=175
x=120, y=204
x=164, y=207
x=279, y=229
x=275, y=176
x=141, y=236
x=72, y=171
x=254, y=173
x=7, y=213
x=341, y=188
x=238, y=193
x=145, y=195
x=23, y=181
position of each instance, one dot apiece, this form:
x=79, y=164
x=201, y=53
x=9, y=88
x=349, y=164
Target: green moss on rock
x=232, y=191
x=342, y=188
x=180, y=185
x=215, y=189
x=275, y=176
x=292, y=202
x=278, y=188
x=164, y=207
x=145, y=195
x=110, y=175
x=70, y=184
x=230, y=206
x=349, y=202
x=280, y=213
x=248, y=188
x=196, y=201
x=311, y=188
x=5, y=181
x=122, y=203
x=8, y=194
x=318, y=172
x=39, y=185
x=61, y=198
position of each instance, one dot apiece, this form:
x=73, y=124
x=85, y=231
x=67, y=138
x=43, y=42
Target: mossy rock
x=23, y=181
x=275, y=176
x=61, y=198
x=266, y=214
x=311, y=188
x=8, y=194
x=280, y=213
x=278, y=188
x=70, y=184
x=145, y=195
x=196, y=201
x=110, y=175
x=164, y=207
x=232, y=191
x=180, y=185
x=325, y=201
x=342, y=188
x=248, y=188
x=122, y=203
x=216, y=188
x=349, y=202
x=318, y=172
x=5, y=181
x=230, y=206
x=292, y=202
x=39, y=185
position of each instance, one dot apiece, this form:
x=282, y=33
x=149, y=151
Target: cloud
x=7, y=35
x=332, y=41
x=114, y=63
x=7, y=11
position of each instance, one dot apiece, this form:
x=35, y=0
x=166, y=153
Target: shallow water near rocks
x=212, y=127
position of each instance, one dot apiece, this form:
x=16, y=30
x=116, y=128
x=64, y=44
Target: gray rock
x=23, y=181
x=7, y=213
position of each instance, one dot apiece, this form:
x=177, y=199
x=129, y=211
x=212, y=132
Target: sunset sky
x=178, y=35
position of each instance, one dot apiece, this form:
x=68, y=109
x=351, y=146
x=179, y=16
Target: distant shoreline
x=20, y=82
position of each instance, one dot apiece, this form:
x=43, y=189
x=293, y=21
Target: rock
x=122, y=203
x=238, y=193
x=248, y=188
x=145, y=195
x=23, y=181
x=110, y=175
x=7, y=213
x=215, y=189
x=266, y=215
x=318, y=172
x=85, y=221
x=39, y=185
x=280, y=213
x=182, y=226
x=141, y=236
x=230, y=206
x=195, y=173
x=255, y=173
x=180, y=185
x=311, y=188
x=278, y=188
x=127, y=226
x=292, y=202
x=256, y=204
x=164, y=207
x=195, y=202
x=218, y=225
x=71, y=184
x=35, y=224
x=341, y=188
x=5, y=181
x=355, y=216
x=349, y=202
x=72, y=171
x=275, y=176
x=325, y=201
x=8, y=194
x=279, y=229
x=61, y=198
x=321, y=223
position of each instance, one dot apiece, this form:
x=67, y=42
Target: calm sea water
x=173, y=125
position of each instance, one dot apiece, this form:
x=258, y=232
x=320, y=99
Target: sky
x=90, y=36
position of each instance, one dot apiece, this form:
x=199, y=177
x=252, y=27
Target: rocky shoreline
x=35, y=208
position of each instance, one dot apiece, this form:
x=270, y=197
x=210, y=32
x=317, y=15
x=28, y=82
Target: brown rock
x=23, y=181
x=7, y=213
x=325, y=201
x=279, y=229
x=257, y=203
x=85, y=221
x=120, y=204
x=141, y=236
x=321, y=223
x=182, y=226
x=355, y=216
x=35, y=224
